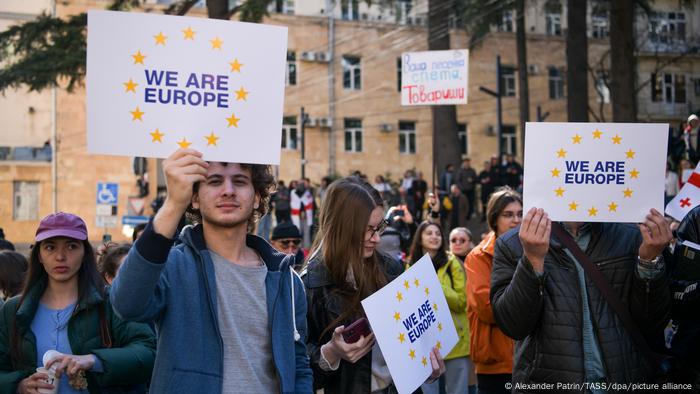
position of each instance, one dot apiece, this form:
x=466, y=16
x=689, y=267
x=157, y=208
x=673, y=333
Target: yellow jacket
x=454, y=281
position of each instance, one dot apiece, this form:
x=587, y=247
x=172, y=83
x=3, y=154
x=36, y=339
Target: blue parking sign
x=107, y=193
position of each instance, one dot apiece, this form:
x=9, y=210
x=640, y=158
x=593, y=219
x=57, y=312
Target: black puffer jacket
x=544, y=315
x=324, y=308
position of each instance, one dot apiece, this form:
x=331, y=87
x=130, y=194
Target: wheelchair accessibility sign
x=107, y=193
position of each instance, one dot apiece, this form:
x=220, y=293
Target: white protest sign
x=595, y=172
x=409, y=317
x=434, y=77
x=156, y=83
x=688, y=197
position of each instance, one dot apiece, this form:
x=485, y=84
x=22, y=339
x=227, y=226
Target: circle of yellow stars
x=407, y=285
x=576, y=140
x=188, y=34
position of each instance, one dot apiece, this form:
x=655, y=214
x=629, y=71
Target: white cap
x=50, y=355
x=692, y=117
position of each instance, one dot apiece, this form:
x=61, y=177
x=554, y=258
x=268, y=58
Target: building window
x=284, y=6
x=668, y=88
x=556, y=84
x=599, y=26
x=463, y=138
x=407, y=137
x=667, y=27
x=403, y=9
x=351, y=73
x=602, y=81
x=507, y=81
x=289, y=132
x=553, y=18
x=291, y=78
x=508, y=139
x=349, y=10
x=507, y=21
x=353, y=135
x=696, y=83
x=398, y=74
x=26, y=201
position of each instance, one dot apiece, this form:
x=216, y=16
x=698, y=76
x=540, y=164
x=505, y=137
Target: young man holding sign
x=229, y=309
x=569, y=337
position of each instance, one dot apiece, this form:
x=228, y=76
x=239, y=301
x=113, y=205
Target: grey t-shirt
x=243, y=322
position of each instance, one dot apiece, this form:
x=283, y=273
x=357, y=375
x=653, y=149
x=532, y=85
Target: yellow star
x=596, y=134
x=439, y=326
x=235, y=65
x=137, y=114
x=634, y=173
x=592, y=211
x=397, y=316
x=616, y=139
x=402, y=338
x=233, y=120
x=406, y=285
x=612, y=207
x=399, y=296
x=216, y=43
x=138, y=57
x=427, y=291
x=559, y=191
x=573, y=206
x=157, y=136
x=630, y=154
x=412, y=354
x=416, y=282
x=160, y=38
x=189, y=33
x=561, y=153
x=130, y=86
x=576, y=139
x=435, y=307
x=555, y=173
x=438, y=345
x=184, y=144
x=211, y=139
x=241, y=94
x=424, y=361
x=627, y=192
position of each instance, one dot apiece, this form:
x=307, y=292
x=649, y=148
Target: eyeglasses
x=286, y=242
x=511, y=215
x=379, y=229
x=458, y=240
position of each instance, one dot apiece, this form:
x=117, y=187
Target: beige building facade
x=345, y=73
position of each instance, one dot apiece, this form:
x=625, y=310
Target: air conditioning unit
x=311, y=122
x=533, y=69
x=323, y=57
x=386, y=127
x=308, y=56
x=325, y=122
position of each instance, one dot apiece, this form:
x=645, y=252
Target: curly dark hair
x=263, y=184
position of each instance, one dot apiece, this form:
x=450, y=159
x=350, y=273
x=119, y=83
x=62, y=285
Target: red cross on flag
x=687, y=199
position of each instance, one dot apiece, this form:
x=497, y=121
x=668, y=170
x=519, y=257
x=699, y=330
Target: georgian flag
x=687, y=199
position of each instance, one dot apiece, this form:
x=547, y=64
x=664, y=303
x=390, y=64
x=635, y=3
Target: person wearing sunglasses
x=286, y=238
x=344, y=268
x=461, y=243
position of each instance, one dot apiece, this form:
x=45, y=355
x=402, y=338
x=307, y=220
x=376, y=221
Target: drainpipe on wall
x=54, y=138
x=330, y=5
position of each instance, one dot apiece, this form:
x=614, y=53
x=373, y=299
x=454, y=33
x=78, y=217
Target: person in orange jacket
x=491, y=349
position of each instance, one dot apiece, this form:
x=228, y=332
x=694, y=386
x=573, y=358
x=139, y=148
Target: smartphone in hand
x=357, y=329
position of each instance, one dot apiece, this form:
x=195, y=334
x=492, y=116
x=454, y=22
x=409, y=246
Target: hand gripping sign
x=595, y=172
x=409, y=317
x=157, y=83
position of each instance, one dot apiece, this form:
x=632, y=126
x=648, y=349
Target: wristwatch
x=652, y=262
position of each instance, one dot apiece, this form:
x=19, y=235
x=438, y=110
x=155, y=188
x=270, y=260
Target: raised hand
x=656, y=235
x=534, y=236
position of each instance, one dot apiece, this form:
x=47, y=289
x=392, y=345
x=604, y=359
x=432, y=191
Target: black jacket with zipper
x=324, y=308
x=544, y=314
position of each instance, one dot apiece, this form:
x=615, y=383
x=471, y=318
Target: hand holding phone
x=353, y=332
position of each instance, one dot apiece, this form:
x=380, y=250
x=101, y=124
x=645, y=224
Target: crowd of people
x=538, y=305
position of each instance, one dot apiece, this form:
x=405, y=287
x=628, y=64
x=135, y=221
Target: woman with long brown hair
x=492, y=350
x=343, y=269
